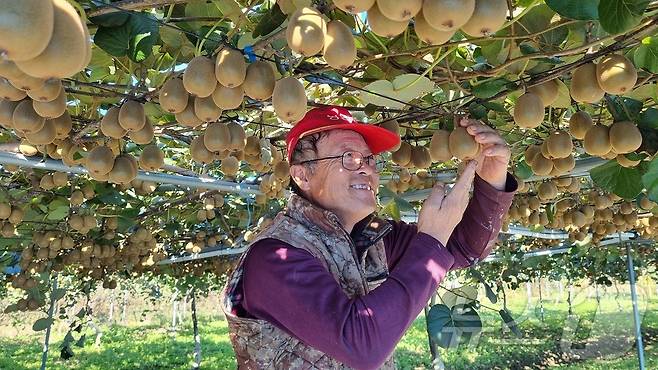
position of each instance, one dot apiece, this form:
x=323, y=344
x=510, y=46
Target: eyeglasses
x=353, y=161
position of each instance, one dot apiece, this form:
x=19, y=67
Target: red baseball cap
x=326, y=118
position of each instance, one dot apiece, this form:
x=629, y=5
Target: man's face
x=348, y=194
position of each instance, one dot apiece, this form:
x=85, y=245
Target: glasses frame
x=378, y=163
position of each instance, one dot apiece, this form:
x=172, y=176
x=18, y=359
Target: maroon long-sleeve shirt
x=290, y=288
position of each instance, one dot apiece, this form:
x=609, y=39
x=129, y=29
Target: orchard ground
x=143, y=338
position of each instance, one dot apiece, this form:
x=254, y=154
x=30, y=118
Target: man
x=330, y=286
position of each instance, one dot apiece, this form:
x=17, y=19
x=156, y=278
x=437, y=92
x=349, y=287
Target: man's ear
x=300, y=175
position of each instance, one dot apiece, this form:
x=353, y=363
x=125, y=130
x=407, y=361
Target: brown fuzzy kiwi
x=305, y=31
x=230, y=68
x=429, y=34
x=282, y=170
x=530, y=152
x=199, y=77
x=230, y=166
x=132, y=116
x=173, y=97
x=541, y=165
x=547, y=190
x=187, y=117
x=123, y=171
x=559, y=144
x=584, y=85
x=99, y=160
x=528, y=111
x=597, y=140
x=217, y=137
x=26, y=28
x=260, y=80
x=616, y=74
x=26, y=119
x=44, y=136
x=238, y=136
x=625, y=137
x=354, y=6
x=447, y=15
x=27, y=83
x=7, y=108
x=110, y=126
x=440, y=146
x=206, y=109
x=143, y=136
x=625, y=162
x=462, y=145
x=547, y=92
x=152, y=158
x=420, y=157
x=488, y=17
x=339, y=48
x=53, y=108
x=289, y=99
x=399, y=10
x=63, y=125
x=228, y=98
x=565, y=164
x=393, y=126
x=48, y=92
x=579, y=123
x=9, y=92
x=9, y=70
x=253, y=146
x=67, y=49
x=382, y=26
x=402, y=156
x=199, y=151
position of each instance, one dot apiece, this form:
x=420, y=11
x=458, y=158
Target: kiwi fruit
x=45, y=135
x=393, y=126
x=531, y=152
x=26, y=28
x=217, y=137
x=227, y=97
x=399, y=10
x=429, y=34
x=48, y=92
x=565, y=164
x=289, y=99
x=382, y=26
x=420, y=157
x=199, y=77
x=143, y=136
x=305, y=31
x=187, y=117
x=528, y=111
x=616, y=74
x=99, y=160
x=584, y=85
x=60, y=179
x=132, y=116
x=339, y=49
x=625, y=162
x=487, y=18
x=152, y=158
x=625, y=137
x=462, y=145
x=645, y=203
x=9, y=92
x=238, y=138
x=110, y=126
x=579, y=123
x=230, y=166
x=53, y=108
x=66, y=51
x=173, y=96
x=541, y=165
x=440, y=146
x=206, y=109
x=354, y=6
x=28, y=83
x=7, y=108
x=547, y=190
x=123, y=171
x=547, y=92
x=402, y=156
x=26, y=119
x=9, y=70
x=597, y=140
x=199, y=151
x=260, y=80
x=446, y=15
x=282, y=170
x=559, y=144
x=230, y=68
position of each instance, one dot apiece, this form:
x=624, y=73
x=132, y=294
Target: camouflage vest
x=258, y=344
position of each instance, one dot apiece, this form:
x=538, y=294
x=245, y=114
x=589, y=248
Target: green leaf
x=611, y=176
x=269, y=22
x=511, y=324
x=489, y=88
x=115, y=19
x=135, y=38
x=58, y=213
x=646, y=55
x=623, y=109
x=42, y=324
x=579, y=9
x=648, y=119
x=449, y=327
x=650, y=180
x=114, y=40
x=58, y=294
x=618, y=16
x=81, y=342
x=523, y=170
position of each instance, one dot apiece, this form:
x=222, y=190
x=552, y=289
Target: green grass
x=151, y=346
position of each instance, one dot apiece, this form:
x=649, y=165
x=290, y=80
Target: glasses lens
x=379, y=163
x=352, y=160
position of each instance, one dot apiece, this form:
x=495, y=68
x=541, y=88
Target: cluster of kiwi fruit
x=406, y=180
x=129, y=119
x=10, y=217
x=613, y=74
x=82, y=223
x=210, y=203
x=443, y=146
x=203, y=240
x=103, y=164
x=43, y=39
x=263, y=223
x=221, y=141
x=27, y=282
x=54, y=180
x=553, y=157
x=435, y=21
x=274, y=185
x=79, y=196
x=262, y=156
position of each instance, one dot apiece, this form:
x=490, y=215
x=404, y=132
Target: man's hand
x=495, y=154
x=441, y=213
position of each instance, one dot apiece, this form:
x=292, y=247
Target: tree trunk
x=97, y=331
x=197, y=337
x=541, y=303
x=51, y=309
x=111, y=314
x=123, y=309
